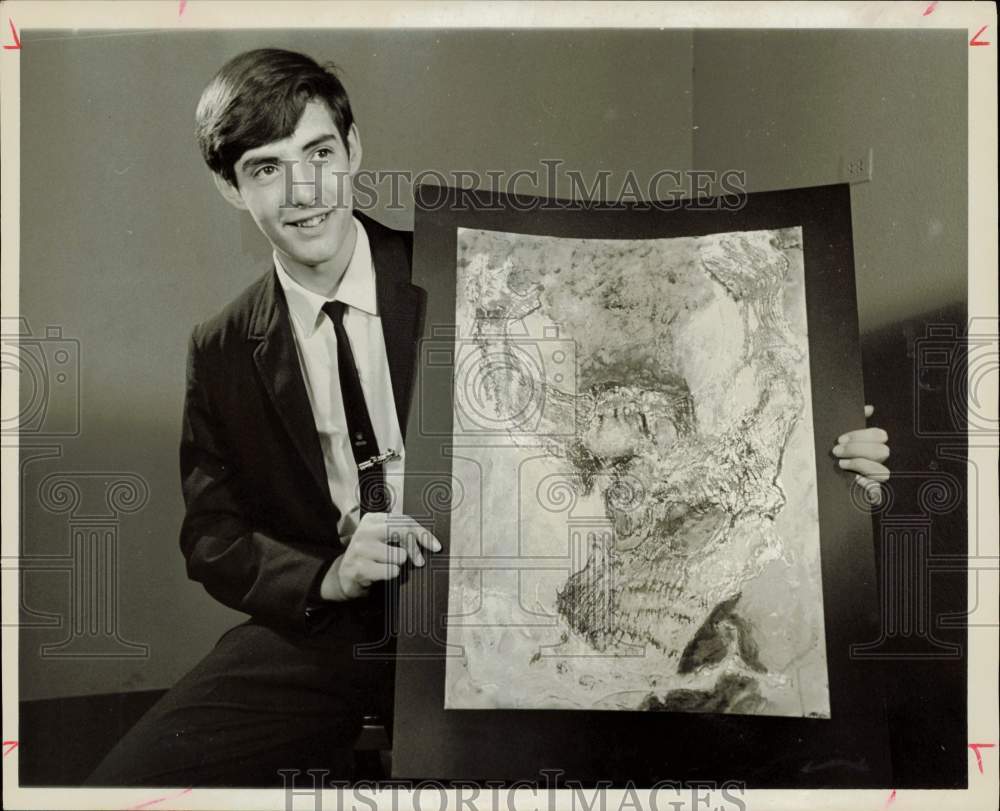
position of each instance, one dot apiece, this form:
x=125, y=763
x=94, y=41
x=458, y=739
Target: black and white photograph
x=500, y=405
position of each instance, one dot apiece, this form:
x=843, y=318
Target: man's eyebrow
x=251, y=163
x=319, y=139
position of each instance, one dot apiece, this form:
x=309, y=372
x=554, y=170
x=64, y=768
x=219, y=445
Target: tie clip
x=378, y=460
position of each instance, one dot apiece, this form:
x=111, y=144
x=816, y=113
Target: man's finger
x=405, y=525
x=427, y=540
x=373, y=519
x=414, y=549
x=370, y=570
x=869, y=410
x=866, y=467
x=873, y=491
x=876, y=451
x=408, y=541
x=387, y=553
x=401, y=536
x=863, y=435
x=371, y=528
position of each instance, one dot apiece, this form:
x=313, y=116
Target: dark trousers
x=261, y=701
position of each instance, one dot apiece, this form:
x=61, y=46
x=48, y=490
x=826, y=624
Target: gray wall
x=125, y=244
x=785, y=106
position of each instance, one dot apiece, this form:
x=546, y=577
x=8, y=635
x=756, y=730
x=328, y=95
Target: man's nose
x=305, y=185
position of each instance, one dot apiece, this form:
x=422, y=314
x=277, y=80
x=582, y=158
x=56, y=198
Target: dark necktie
x=371, y=480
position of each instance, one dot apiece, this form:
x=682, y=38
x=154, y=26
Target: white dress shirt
x=316, y=344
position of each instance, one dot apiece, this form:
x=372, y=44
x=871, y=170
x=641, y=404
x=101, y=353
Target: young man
x=297, y=399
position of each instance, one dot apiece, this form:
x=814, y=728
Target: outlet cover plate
x=856, y=167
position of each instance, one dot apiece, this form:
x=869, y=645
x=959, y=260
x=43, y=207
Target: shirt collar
x=356, y=288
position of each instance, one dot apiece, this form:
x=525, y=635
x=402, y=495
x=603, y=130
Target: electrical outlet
x=857, y=167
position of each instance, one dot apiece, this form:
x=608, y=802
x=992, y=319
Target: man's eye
x=324, y=152
x=266, y=171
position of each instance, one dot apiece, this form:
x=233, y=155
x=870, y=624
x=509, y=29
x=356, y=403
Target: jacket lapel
x=277, y=364
x=400, y=309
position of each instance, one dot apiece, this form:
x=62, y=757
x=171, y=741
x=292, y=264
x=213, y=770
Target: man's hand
x=380, y=547
x=864, y=452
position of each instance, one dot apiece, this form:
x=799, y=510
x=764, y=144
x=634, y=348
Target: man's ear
x=354, y=147
x=229, y=191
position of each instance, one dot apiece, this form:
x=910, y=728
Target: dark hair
x=258, y=97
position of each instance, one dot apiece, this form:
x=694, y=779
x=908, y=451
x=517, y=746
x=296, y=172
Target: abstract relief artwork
x=644, y=532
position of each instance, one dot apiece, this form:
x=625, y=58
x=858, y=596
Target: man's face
x=298, y=190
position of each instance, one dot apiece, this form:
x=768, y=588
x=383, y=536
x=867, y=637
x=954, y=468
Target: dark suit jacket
x=260, y=528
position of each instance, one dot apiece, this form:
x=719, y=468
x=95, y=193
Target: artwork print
x=637, y=527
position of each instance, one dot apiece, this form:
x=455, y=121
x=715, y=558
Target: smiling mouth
x=312, y=222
